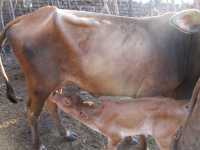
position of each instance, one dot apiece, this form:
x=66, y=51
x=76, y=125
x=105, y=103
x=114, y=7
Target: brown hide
x=103, y=54
x=117, y=118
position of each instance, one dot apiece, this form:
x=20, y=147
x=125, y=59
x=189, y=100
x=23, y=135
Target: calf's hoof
x=37, y=147
x=132, y=140
x=42, y=147
x=71, y=136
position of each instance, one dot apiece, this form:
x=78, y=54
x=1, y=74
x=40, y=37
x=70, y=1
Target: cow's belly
x=117, y=59
x=135, y=84
x=142, y=75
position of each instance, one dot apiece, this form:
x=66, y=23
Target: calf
x=118, y=117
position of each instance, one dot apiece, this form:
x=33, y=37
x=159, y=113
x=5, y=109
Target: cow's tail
x=9, y=89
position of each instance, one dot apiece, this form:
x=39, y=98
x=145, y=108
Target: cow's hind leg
x=35, y=105
x=53, y=110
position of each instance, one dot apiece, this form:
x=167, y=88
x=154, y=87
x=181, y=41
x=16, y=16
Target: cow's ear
x=187, y=21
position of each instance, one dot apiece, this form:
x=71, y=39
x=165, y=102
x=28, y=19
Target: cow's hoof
x=42, y=147
x=71, y=136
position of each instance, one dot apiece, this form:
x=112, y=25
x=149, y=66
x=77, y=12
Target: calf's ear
x=187, y=21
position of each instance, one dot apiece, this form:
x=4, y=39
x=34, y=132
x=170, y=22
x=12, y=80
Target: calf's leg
x=164, y=142
x=113, y=140
x=53, y=110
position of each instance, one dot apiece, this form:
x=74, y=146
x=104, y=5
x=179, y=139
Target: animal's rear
x=10, y=91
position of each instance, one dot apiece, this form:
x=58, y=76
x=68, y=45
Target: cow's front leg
x=53, y=110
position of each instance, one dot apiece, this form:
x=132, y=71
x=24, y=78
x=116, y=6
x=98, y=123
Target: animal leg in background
x=53, y=110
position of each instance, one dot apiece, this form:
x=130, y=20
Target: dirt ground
x=14, y=130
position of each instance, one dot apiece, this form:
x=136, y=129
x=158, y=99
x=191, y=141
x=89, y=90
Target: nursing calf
x=117, y=118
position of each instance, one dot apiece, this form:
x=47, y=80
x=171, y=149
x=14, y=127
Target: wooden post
x=130, y=8
x=187, y=138
x=115, y=7
x=58, y=3
x=106, y=8
x=197, y=4
x=12, y=9
x=1, y=14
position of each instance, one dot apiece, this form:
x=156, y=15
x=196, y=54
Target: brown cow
x=117, y=118
x=103, y=54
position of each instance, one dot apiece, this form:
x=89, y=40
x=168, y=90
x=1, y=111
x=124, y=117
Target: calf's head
x=75, y=105
x=187, y=21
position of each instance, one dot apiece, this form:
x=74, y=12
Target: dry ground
x=15, y=133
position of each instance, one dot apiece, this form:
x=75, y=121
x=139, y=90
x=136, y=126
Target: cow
x=117, y=118
x=103, y=54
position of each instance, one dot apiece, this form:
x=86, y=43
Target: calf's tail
x=9, y=89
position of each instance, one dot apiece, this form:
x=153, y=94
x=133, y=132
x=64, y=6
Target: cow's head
x=187, y=21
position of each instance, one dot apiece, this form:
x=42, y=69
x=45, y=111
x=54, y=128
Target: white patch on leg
x=42, y=147
x=68, y=133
